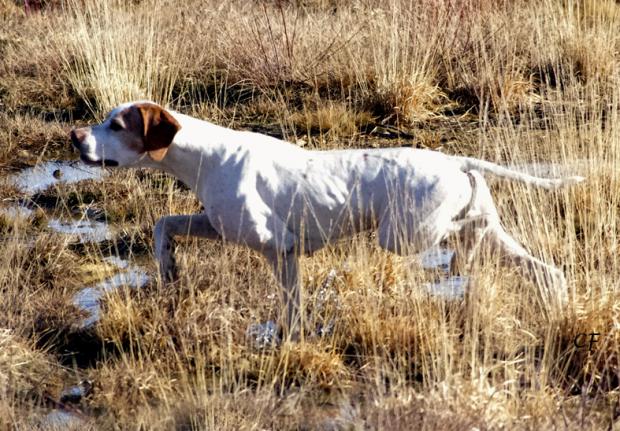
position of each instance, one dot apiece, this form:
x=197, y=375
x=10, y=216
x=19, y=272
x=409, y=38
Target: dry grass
x=510, y=81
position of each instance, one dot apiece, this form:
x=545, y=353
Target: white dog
x=283, y=200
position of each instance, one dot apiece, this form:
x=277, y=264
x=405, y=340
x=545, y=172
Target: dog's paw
x=557, y=292
x=170, y=277
x=168, y=271
x=561, y=287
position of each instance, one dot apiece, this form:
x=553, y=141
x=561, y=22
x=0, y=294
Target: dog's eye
x=116, y=126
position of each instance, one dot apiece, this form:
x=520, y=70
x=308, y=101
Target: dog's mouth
x=103, y=163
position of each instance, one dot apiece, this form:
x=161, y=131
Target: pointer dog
x=283, y=200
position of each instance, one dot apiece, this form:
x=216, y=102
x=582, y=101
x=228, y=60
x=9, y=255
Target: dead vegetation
x=512, y=81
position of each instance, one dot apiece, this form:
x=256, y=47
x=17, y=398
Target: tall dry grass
x=513, y=82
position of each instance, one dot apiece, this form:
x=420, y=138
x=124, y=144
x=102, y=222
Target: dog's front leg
x=167, y=228
x=285, y=267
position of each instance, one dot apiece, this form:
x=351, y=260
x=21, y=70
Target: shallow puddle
x=75, y=394
x=16, y=212
x=82, y=230
x=88, y=299
x=62, y=420
x=436, y=258
x=263, y=335
x=44, y=175
x=450, y=288
x=117, y=262
x=39, y=178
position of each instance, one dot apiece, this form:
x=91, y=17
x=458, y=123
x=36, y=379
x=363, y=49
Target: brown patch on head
x=159, y=129
x=152, y=128
x=78, y=136
x=81, y=133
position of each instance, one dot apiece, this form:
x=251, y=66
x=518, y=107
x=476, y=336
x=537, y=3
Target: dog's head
x=128, y=133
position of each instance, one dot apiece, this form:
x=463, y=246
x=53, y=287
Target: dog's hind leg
x=285, y=267
x=555, y=293
x=167, y=228
x=470, y=234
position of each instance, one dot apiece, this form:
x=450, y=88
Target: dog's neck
x=196, y=147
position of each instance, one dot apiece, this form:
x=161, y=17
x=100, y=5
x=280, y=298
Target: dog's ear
x=159, y=129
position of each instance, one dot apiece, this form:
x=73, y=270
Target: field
x=526, y=83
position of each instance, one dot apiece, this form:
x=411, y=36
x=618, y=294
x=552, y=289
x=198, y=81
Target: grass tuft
x=510, y=81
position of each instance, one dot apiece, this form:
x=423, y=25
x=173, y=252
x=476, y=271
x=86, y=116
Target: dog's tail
x=469, y=163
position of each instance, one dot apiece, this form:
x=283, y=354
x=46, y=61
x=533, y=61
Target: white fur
x=284, y=200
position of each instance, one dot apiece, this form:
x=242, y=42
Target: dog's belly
x=320, y=218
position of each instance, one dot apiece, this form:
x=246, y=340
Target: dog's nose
x=77, y=136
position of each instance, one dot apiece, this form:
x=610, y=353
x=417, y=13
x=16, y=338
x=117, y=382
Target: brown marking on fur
x=158, y=129
x=81, y=133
